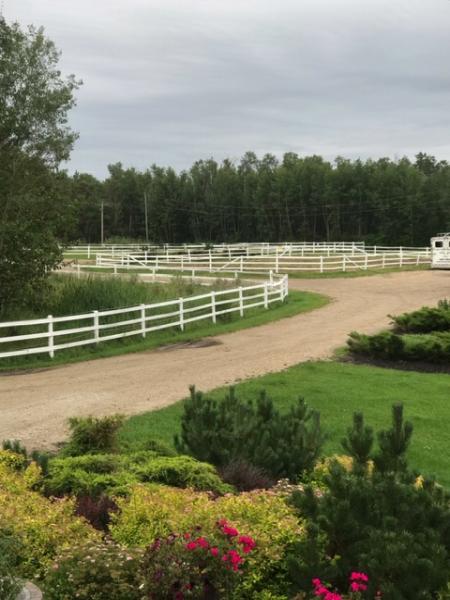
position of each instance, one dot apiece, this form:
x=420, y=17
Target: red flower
x=202, y=542
x=214, y=551
x=230, y=531
x=191, y=545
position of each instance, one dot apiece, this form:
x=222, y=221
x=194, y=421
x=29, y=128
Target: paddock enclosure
x=291, y=257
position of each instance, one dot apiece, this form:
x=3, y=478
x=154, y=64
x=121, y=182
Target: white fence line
x=261, y=248
x=262, y=264
x=100, y=326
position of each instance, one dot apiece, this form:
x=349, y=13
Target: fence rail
x=320, y=263
x=58, y=333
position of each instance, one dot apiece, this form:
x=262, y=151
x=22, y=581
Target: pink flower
x=358, y=576
x=202, y=542
x=231, y=531
x=214, y=551
x=191, y=545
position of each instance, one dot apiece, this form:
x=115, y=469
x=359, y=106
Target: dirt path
x=35, y=406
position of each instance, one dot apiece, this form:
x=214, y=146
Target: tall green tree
x=34, y=138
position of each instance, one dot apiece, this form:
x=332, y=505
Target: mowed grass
x=338, y=390
x=110, y=293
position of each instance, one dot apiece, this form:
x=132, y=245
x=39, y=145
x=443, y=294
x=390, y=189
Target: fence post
x=213, y=306
x=271, y=277
x=321, y=264
x=266, y=295
x=383, y=264
x=51, y=341
x=180, y=300
x=242, y=264
x=145, y=256
x=210, y=262
x=401, y=256
x=343, y=263
x=143, y=320
x=89, y=251
x=182, y=263
x=276, y=263
x=418, y=260
x=96, y=328
x=189, y=255
x=241, y=302
x=365, y=262
x=374, y=249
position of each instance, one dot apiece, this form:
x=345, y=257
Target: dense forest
x=385, y=201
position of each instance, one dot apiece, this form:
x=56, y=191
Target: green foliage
x=153, y=512
x=41, y=527
x=95, y=571
x=384, y=201
x=19, y=454
x=182, y=471
x=382, y=521
x=10, y=550
x=113, y=474
x=220, y=432
x=424, y=320
x=197, y=566
x=89, y=435
x=35, y=137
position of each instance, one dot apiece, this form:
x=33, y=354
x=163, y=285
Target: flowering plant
x=357, y=586
x=196, y=566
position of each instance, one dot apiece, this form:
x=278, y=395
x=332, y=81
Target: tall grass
x=67, y=295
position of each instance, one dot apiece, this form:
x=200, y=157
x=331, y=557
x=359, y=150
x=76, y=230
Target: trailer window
x=438, y=244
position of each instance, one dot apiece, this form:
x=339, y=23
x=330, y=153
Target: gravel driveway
x=35, y=406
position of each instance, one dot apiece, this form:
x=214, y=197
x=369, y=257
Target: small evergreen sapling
x=222, y=432
x=382, y=521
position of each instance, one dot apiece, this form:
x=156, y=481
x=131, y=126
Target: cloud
x=171, y=81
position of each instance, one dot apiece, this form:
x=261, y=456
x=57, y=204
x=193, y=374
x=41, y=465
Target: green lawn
x=337, y=390
x=296, y=302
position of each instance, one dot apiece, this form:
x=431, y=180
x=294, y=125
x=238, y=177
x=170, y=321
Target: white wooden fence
x=326, y=261
x=57, y=333
x=257, y=248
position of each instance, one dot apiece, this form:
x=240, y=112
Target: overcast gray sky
x=172, y=81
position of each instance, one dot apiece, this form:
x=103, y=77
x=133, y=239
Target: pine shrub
x=221, y=432
x=383, y=521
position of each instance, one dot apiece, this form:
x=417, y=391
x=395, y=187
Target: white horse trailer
x=440, y=251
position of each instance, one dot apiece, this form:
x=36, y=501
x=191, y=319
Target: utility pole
x=101, y=223
x=146, y=217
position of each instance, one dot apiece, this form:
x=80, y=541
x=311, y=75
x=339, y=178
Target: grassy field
x=296, y=302
x=338, y=390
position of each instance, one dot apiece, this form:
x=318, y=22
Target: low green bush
x=89, y=435
x=113, y=474
x=221, y=432
x=376, y=517
x=424, y=320
x=95, y=571
x=182, y=471
x=431, y=348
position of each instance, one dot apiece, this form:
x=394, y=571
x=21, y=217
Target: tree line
x=398, y=202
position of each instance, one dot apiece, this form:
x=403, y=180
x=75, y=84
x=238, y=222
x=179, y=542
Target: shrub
x=380, y=520
x=196, y=566
x=97, y=511
x=90, y=435
x=424, y=320
x=246, y=477
x=10, y=550
x=88, y=475
x=182, y=471
x=23, y=458
x=220, y=432
x=113, y=474
x=155, y=512
x=95, y=571
x=42, y=527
